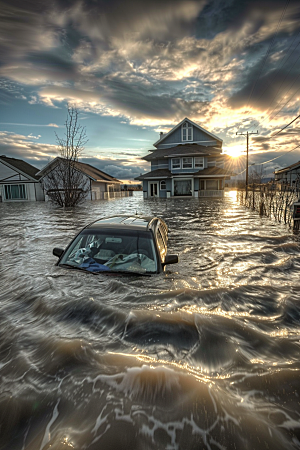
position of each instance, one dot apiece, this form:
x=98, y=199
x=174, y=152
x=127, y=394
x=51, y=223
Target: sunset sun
x=235, y=151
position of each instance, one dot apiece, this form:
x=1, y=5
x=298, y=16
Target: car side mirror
x=58, y=252
x=171, y=259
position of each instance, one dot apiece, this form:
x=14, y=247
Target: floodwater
x=204, y=356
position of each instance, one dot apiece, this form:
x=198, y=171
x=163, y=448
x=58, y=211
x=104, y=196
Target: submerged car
x=119, y=244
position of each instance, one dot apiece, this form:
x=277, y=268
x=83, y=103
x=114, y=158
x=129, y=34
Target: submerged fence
x=276, y=202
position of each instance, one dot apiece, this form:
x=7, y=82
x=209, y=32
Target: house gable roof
x=179, y=150
x=287, y=169
x=90, y=171
x=95, y=174
x=21, y=166
x=164, y=136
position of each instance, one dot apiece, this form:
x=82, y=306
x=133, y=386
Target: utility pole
x=247, y=134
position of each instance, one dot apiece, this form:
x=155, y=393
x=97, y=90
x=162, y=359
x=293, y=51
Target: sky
x=135, y=68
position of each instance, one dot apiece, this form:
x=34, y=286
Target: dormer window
x=187, y=131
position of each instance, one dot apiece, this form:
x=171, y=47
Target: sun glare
x=235, y=151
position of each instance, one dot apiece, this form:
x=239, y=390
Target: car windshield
x=112, y=251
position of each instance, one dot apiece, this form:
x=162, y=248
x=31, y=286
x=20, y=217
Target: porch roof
x=182, y=150
x=213, y=171
x=166, y=173
x=289, y=168
x=158, y=173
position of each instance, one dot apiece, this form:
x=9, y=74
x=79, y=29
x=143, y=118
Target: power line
x=278, y=90
x=285, y=126
x=268, y=51
x=267, y=138
x=270, y=160
x=277, y=157
x=288, y=99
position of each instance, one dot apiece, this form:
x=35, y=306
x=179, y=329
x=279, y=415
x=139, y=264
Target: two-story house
x=187, y=161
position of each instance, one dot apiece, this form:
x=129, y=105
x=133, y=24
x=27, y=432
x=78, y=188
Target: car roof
x=125, y=222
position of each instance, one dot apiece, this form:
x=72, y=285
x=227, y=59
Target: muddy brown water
x=204, y=356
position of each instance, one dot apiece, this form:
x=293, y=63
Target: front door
x=154, y=189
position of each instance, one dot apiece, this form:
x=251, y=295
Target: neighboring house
x=19, y=181
x=100, y=184
x=289, y=175
x=187, y=161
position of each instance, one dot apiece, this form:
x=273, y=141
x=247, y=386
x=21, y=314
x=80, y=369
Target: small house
x=186, y=162
x=99, y=184
x=289, y=176
x=19, y=181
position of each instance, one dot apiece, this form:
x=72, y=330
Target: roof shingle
x=187, y=149
x=21, y=166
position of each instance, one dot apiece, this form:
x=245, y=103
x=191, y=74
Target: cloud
x=151, y=64
x=123, y=165
x=23, y=147
x=31, y=124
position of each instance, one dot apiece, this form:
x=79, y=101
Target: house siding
x=159, y=164
x=176, y=138
x=85, y=185
x=10, y=176
x=7, y=174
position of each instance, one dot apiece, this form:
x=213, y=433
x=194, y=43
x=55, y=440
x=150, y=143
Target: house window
x=199, y=162
x=183, y=187
x=187, y=131
x=175, y=163
x=163, y=184
x=15, y=192
x=187, y=163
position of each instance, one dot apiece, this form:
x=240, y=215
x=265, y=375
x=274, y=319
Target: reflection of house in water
x=187, y=161
x=19, y=181
x=100, y=184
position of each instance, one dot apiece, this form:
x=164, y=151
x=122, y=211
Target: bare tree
x=257, y=174
x=64, y=183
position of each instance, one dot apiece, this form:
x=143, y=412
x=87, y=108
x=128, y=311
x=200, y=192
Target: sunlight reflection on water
x=205, y=355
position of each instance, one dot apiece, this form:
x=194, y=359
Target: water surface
x=204, y=356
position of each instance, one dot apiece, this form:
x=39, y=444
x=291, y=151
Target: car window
x=104, y=251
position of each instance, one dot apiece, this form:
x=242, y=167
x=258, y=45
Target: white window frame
x=195, y=162
x=186, y=127
x=160, y=185
x=186, y=165
x=8, y=190
x=172, y=163
x=183, y=179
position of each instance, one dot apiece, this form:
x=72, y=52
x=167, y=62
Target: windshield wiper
x=70, y=266
x=124, y=272
x=107, y=272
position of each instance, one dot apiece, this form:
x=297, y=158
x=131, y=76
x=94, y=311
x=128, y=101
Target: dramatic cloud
x=122, y=165
x=228, y=65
